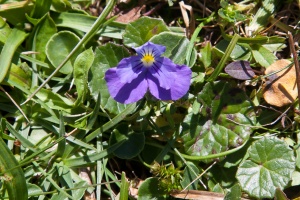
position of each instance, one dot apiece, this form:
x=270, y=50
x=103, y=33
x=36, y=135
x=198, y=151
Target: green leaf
x=54, y=100
x=279, y=195
x=25, y=142
x=295, y=178
x=238, y=53
x=261, y=18
x=16, y=11
x=18, y=76
x=13, y=179
x=61, y=5
x=234, y=193
x=124, y=187
x=270, y=165
x=140, y=31
x=149, y=190
x=62, y=132
x=81, y=68
x=263, y=56
x=217, y=127
x=133, y=145
x=94, y=116
x=64, y=174
x=84, y=22
x=43, y=32
x=78, y=193
x=15, y=38
x=224, y=58
x=86, y=160
x=106, y=57
x=59, y=47
x=114, y=121
x=33, y=189
x=176, y=47
x=4, y=31
x=229, y=13
x=41, y=7
x=190, y=173
x=206, y=55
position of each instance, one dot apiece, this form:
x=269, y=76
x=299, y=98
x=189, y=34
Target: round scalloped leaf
x=133, y=145
x=270, y=165
x=176, y=47
x=58, y=48
x=149, y=190
x=140, y=31
x=106, y=56
x=224, y=120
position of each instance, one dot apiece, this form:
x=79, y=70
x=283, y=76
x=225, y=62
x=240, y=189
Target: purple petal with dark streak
x=149, y=46
x=128, y=69
x=164, y=70
x=178, y=89
x=126, y=92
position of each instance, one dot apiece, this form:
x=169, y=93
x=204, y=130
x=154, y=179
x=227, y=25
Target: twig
x=296, y=62
x=200, y=175
x=15, y=103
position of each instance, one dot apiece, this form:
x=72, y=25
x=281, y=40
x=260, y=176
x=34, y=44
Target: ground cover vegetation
x=149, y=99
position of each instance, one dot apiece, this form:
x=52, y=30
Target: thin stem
x=15, y=103
x=296, y=62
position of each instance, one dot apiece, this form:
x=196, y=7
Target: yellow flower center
x=148, y=60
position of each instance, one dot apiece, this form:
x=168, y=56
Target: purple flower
x=148, y=71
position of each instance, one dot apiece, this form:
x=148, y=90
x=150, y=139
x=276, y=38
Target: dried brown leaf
x=280, y=89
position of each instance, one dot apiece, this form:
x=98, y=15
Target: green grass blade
x=124, y=187
x=111, y=123
x=224, y=59
x=14, y=179
x=88, y=159
x=194, y=37
x=49, y=178
x=41, y=7
x=15, y=38
x=62, y=144
x=94, y=114
x=26, y=143
x=84, y=22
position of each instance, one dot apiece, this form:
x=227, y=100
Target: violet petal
x=164, y=70
x=128, y=69
x=178, y=89
x=152, y=48
x=126, y=92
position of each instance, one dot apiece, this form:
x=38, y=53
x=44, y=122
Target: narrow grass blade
x=88, y=159
x=194, y=37
x=124, y=187
x=111, y=123
x=12, y=175
x=225, y=57
x=15, y=38
x=62, y=144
